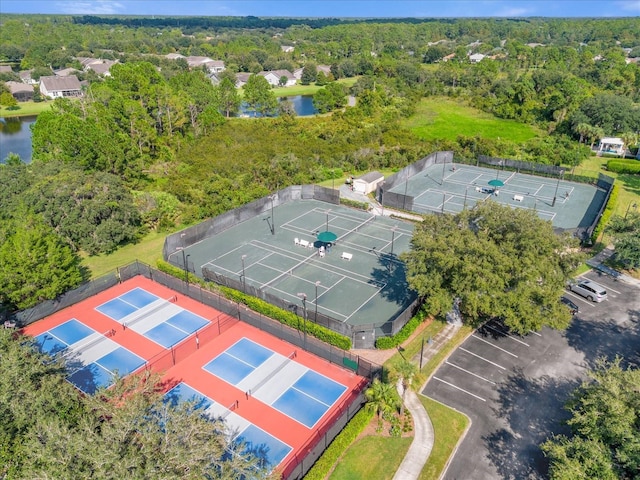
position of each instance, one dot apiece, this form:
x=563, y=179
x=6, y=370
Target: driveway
x=513, y=388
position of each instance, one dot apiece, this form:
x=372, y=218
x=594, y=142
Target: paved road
x=514, y=388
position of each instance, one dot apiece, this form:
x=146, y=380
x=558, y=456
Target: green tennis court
x=451, y=187
x=357, y=279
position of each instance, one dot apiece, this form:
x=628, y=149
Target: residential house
x=98, y=65
x=242, y=78
x=274, y=76
x=6, y=69
x=174, y=56
x=212, y=66
x=65, y=72
x=20, y=91
x=287, y=48
x=25, y=76
x=476, y=57
x=58, y=87
x=613, y=145
x=326, y=69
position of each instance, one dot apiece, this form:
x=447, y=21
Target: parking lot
x=513, y=388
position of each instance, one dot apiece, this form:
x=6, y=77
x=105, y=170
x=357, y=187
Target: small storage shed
x=368, y=182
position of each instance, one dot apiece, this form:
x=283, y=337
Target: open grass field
x=148, y=250
x=26, y=108
x=629, y=184
x=446, y=118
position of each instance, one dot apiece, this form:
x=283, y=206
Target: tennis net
x=147, y=313
x=92, y=342
x=357, y=227
x=273, y=373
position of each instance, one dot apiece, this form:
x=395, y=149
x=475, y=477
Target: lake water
x=15, y=132
x=15, y=137
x=302, y=104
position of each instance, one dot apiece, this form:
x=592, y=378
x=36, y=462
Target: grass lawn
x=148, y=250
x=372, y=457
x=26, y=108
x=629, y=184
x=446, y=118
x=448, y=427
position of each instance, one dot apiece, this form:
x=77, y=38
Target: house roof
x=56, y=84
x=612, y=140
x=279, y=73
x=101, y=66
x=371, y=177
x=17, y=87
x=5, y=69
x=174, y=56
x=65, y=72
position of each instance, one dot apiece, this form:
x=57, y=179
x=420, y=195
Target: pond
x=15, y=137
x=302, y=104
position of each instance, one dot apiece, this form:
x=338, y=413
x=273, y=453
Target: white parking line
x=582, y=299
x=507, y=335
x=494, y=346
x=535, y=333
x=481, y=358
x=470, y=373
x=461, y=389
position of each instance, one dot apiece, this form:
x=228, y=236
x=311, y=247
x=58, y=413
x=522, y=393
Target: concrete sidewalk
x=423, y=439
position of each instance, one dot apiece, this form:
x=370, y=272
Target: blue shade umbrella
x=496, y=183
x=327, y=237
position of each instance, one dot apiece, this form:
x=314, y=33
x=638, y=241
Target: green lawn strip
x=445, y=118
x=148, y=250
x=26, y=108
x=448, y=426
x=372, y=457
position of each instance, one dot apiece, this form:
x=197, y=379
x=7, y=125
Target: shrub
x=606, y=215
x=345, y=438
x=385, y=343
x=354, y=204
x=624, y=166
x=260, y=306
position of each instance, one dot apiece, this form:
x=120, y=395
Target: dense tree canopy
x=500, y=262
x=605, y=425
x=625, y=232
x=49, y=431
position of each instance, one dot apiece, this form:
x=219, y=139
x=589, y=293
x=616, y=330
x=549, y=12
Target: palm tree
x=381, y=398
x=407, y=371
x=629, y=139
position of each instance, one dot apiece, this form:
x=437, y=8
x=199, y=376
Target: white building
x=613, y=145
x=58, y=87
x=367, y=183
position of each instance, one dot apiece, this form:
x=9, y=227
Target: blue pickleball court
x=127, y=303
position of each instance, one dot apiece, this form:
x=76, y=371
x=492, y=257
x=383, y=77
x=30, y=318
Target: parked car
x=573, y=308
x=588, y=289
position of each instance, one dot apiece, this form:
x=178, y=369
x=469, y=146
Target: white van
x=590, y=290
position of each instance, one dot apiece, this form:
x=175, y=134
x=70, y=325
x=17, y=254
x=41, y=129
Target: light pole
x=382, y=189
x=303, y=296
x=327, y=224
x=186, y=269
x=317, y=285
x=273, y=220
x=393, y=236
x=466, y=190
x=244, y=279
x=631, y=205
x=444, y=199
x=561, y=173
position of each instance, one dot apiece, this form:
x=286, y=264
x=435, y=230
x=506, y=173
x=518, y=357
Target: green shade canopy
x=496, y=183
x=327, y=237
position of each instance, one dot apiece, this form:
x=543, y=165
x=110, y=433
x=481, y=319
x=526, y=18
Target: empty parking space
x=514, y=388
